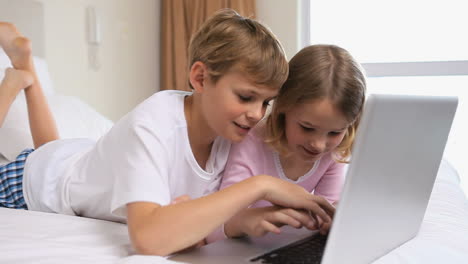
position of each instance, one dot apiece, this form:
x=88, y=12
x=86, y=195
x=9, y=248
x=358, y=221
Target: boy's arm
x=163, y=230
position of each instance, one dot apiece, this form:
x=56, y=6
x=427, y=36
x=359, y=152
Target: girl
x=153, y=156
x=308, y=136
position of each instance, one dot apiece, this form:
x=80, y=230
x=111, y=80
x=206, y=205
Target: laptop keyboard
x=306, y=251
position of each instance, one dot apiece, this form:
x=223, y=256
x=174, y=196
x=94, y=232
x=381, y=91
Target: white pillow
x=74, y=119
x=42, y=71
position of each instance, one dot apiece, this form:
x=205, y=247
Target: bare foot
x=14, y=81
x=16, y=46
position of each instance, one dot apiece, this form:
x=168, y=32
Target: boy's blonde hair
x=228, y=41
x=320, y=72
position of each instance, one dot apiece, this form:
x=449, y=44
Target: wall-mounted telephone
x=93, y=26
x=93, y=37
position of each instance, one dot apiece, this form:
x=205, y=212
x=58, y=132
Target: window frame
x=387, y=69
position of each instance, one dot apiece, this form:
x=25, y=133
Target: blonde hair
x=318, y=72
x=228, y=41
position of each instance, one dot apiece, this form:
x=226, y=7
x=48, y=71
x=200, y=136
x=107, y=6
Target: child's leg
x=18, y=49
x=10, y=86
x=11, y=182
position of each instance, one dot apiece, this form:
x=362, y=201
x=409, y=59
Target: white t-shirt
x=146, y=156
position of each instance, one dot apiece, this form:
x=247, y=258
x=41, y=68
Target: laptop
x=395, y=160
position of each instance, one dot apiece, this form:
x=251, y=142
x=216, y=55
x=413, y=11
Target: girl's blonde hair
x=228, y=41
x=320, y=72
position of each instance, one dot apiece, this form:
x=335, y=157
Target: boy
x=154, y=155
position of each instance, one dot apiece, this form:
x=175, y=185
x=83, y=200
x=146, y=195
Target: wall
x=283, y=18
x=128, y=53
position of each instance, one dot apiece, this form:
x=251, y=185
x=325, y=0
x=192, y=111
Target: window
x=406, y=47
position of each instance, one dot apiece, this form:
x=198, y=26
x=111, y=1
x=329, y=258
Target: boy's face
x=233, y=105
x=314, y=129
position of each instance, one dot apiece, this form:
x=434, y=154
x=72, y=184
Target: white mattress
x=35, y=237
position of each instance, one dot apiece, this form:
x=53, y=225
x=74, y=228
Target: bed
x=36, y=237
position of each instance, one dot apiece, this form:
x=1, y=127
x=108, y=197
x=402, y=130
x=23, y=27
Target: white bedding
x=443, y=237
x=74, y=118
x=35, y=237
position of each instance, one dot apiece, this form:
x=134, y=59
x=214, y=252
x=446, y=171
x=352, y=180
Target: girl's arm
x=246, y=159
x=163, y=230
x=331, y=183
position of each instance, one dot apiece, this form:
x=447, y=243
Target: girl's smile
x=242, y=129
x=314, y=129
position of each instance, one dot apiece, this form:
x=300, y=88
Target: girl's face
x=234, y=104
x=314, y=129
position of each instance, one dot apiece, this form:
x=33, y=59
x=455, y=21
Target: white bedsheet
x=443, y=237
x=35, y=237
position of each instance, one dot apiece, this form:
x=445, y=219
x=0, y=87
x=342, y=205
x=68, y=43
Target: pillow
x=42, y=71
x=74, y=119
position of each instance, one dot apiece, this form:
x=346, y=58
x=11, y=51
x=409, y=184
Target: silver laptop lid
x=383, y=203
x=396, y=157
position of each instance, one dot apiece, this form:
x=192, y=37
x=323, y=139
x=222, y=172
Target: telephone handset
x=93, y=26
x=93, y=37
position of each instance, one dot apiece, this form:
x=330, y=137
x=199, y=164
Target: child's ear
x=197, y=74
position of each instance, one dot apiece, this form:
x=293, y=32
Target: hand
x=290, y=195
x=259, y=221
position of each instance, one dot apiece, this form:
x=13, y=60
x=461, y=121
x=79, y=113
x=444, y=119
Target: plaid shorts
x=11, y=182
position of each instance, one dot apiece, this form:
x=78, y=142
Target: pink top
x=253, y=157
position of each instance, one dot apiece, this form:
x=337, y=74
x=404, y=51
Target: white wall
x=283, y=18
x=129, y=52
